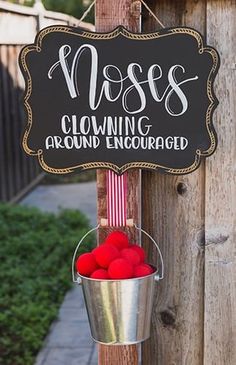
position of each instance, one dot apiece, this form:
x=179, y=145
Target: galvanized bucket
x=119, y=311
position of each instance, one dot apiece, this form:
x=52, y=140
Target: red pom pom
x=131, y=256
x=140, y=251
x=120, y=269
x=100, y=274
x=105, y=254
x=142, y=270
x=118, y=239
x=94, y=250
x=86, y=264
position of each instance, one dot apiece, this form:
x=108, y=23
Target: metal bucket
x=119, y=311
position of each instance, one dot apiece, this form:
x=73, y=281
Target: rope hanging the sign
x=87, y=12
x=151, y=12
x=141, y=1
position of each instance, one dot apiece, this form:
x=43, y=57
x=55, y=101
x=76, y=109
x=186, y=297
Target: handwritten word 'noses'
x=154, y=74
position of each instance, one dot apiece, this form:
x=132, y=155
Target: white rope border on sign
x=141, y=1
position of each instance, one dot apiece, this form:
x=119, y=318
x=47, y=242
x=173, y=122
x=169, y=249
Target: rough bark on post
x=110, y=14
x=220, y=266
x=173, y=212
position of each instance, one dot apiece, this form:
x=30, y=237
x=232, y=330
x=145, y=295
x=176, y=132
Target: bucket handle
x=78, y=279
x=161, y=276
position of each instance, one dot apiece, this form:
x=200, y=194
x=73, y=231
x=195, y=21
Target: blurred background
x=71, y=7
x=42, y=216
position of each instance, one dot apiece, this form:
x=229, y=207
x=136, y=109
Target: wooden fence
x=18, y=26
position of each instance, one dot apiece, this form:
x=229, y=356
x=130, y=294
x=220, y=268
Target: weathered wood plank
x=21, y=117
x=220, y=265
x=173, y=212
x=17, y=170
x=108, y=16
x=3, y=185
x=14, y=121
x=6, y=86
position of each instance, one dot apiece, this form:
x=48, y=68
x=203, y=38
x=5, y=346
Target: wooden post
x=220, y=266
x=193, y=216
x=173, y=212
x=110, y=14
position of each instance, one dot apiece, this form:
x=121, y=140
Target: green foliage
x=22, y=2
x=35, y=255
x=75, y=8
x=71, y=7
x=29, y=2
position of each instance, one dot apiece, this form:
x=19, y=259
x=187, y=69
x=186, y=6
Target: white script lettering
x=134, y=73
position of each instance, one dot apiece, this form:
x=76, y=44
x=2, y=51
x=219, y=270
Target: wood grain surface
x=110, y=14
x=173, y=212
x=193, y=216
x=220, y=250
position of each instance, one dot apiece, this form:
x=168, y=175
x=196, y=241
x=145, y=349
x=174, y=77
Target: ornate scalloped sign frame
x=119, y=100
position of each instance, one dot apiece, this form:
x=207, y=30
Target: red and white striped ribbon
x=116, y=199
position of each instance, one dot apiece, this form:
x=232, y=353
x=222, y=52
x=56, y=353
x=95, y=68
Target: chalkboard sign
x=119, y=100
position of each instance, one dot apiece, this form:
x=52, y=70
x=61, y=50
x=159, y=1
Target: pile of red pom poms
x=115, y=259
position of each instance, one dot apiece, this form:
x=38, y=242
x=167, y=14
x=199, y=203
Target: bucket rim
x=118, y=280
